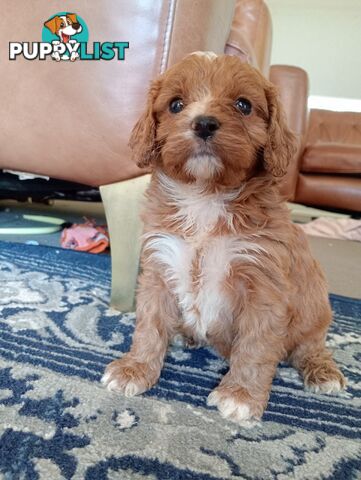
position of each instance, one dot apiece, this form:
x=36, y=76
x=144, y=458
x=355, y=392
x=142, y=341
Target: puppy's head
x=64, y=26
x=213, y=119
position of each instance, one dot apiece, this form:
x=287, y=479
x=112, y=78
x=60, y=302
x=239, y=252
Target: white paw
x=127, y=388
x=106, y=378
x=56, y=56
x=178, y=340
x=333, y=386
x=231, y=409
x=74, y=56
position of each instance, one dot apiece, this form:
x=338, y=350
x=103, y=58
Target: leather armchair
x=73, y=121
x=326, y=170
x=329, y=174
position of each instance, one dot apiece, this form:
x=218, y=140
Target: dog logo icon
x=64, y=26
x=65, y=36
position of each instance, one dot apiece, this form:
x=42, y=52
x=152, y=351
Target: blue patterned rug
x=56, y=421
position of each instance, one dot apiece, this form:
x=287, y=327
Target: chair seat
x=333, y=158
x=330, y=191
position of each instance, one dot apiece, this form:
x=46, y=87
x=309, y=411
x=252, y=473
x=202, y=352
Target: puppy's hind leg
x=157, y=314
x=317, y=367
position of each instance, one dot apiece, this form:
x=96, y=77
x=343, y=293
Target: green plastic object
x=56, y=225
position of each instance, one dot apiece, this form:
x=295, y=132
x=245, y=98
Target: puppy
x=221, y=261
x=64, y=26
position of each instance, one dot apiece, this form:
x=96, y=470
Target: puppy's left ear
x=143, y=138
x=281, y=143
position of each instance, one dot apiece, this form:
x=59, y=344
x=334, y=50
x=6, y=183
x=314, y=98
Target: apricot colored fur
x=222, y=262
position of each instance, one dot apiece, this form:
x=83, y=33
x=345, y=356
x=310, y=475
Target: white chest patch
x=197, y=267
x=195, y=209
x=197, y=274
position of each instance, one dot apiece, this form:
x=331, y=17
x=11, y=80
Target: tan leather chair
x=326, y=170
x=329, y=173
x=250, y=37
x=73, y=120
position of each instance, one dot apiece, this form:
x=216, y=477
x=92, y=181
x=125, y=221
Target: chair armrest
x=250, y=37
x=293, y=85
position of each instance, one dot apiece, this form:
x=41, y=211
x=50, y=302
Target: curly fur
x=221, y=262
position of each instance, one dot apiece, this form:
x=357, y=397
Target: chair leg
x=122, y=202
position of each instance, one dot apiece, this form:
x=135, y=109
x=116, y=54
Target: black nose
x=205, y=127
x=76, y=26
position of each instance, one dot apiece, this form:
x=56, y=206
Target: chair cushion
x=332, y=158
x=329, y=191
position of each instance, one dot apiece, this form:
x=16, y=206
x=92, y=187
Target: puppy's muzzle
x=76, y=26
x=205, y=127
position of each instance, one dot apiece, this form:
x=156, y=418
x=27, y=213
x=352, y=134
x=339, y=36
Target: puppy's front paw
x=56, y=56
x=128, y=377
x=236, y=405
x=74, y=56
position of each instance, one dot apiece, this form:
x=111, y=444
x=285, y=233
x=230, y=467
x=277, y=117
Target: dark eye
x=62, y=25
x=243, y=105
x=176, y=105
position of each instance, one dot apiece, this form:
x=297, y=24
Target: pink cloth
x=344, y=228
x=85, y=237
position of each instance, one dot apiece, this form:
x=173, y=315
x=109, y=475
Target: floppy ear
x=281, y=143
x=72, y=17
x=52, y=24
x=143, y=137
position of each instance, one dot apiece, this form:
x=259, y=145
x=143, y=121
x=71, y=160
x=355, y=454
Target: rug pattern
x=57, y=422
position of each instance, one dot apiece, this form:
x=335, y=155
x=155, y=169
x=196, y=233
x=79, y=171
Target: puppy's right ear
x=52, y=24
x=143, y=137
